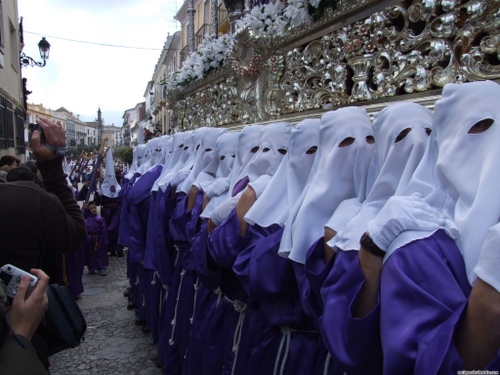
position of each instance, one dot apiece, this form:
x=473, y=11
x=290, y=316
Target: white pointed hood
x=285, y=187
x=338, y=173
x=393, y=163
x=110, y=187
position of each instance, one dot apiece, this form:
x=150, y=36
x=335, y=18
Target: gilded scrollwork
x=408, y=47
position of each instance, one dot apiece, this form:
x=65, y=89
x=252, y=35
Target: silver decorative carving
x=403, y=49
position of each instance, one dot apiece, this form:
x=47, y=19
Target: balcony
x=184, y=54
x=222, y=14
x=198, y=37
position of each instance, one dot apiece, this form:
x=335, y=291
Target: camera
x=11, y=277
x=32, y=127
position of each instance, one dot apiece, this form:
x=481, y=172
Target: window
x=14, y=47
x=2, y=33
x=20, y=131
x=6, y=124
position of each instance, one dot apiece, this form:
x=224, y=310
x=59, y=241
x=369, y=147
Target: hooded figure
x=206, y=162
x=230, y=238
x=277, y=292
x=401, y=137
x=338, y=173
x=274, y=143
x=448, y=261
x=219, y=191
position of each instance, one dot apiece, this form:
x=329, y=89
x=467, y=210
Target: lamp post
x=44, y=47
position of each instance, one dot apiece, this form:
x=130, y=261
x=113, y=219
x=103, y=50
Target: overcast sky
x=83, y=77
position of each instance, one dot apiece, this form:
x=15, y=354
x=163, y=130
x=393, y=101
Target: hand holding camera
x=12, y=278
x=30, y=298
x=48, y=139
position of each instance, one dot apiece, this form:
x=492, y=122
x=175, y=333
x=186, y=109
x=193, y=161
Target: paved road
x=113, y=343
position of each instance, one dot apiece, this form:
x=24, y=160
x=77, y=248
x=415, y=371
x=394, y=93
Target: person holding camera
x=38, y=223
x=18, y=324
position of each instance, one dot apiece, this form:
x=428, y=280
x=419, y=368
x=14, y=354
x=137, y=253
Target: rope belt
x=174, y=320
x=240, y=307
x=195, y=286
x=219, y=296
x=327, y=363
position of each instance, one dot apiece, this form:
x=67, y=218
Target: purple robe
x=224, y=245
x=353, y=343
x=123, y=232
x=289, y=341
x=139, y=196
x=110, y=211
x=96, y=249
x=424, y=292
x=180, y=300
x=423, y=295
x=216, y=337
x=73, y=271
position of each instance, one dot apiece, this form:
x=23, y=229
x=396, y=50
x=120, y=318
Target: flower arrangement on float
x=262, y=23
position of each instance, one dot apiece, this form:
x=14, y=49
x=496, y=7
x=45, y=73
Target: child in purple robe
x=96, y=246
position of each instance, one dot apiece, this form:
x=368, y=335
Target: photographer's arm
x=63, y=225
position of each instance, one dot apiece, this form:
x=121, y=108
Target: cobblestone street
x=113, y=343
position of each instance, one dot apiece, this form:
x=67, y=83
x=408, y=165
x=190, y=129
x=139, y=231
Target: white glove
x=488, y=264
x=179, y=177
x=222, y=212
x=203, y=180
x=345, y=211
x=219, y=186
x=402, y=213
x=260, y=184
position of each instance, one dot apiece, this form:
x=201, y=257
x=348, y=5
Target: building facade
x=12, y=87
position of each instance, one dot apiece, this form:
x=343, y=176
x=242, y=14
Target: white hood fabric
x=338, y=173
x=149, y=156
x=206, y=160
x=285, y=187
x=464, y=183
x=109, y=186
x=164, y=149
x=227, y=149
x=274, y=143
x=392, y=164
x=173, y=152
x=137, y=160
x=183, y=146
x=273, y=146
x=249, y=138
x=225, y=154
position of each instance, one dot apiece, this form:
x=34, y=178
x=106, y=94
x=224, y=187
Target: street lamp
x=44, y=47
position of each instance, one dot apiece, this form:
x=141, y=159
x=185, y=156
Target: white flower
x=314, y=3
x=296, y=13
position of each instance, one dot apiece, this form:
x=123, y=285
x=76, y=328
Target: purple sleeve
x=104, y=232
x=313, y=275
x=162, y=254
x=151, y=230
x=142, y=187
x=193, y=226
x=261, y=271
x=225, y=241
x=353, y=343
x=427, y=278
x=179, y=220
x=209, y=275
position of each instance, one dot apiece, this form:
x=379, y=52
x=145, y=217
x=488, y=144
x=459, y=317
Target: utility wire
x=98, y=44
